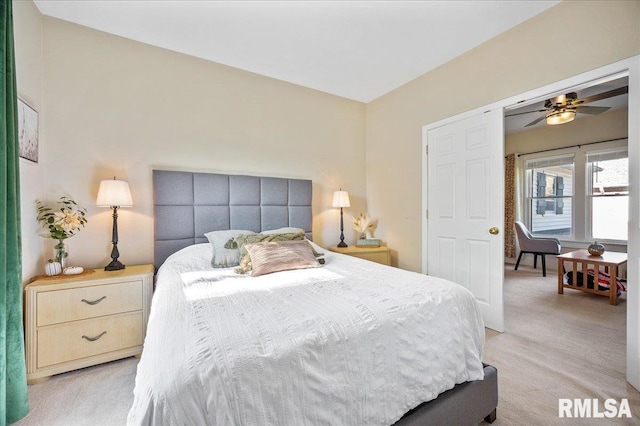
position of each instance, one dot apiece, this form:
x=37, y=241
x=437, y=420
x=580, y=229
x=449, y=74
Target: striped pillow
x=276, y=256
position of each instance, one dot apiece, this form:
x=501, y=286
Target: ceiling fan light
x=560, y=117
x=560, y=100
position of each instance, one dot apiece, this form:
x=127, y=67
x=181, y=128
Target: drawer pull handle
x=95, y=302
x=93, y=339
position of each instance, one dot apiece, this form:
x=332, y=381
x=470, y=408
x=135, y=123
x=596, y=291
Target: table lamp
x=341, y=199
x=114, y=194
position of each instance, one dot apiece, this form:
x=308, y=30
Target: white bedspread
x=351, y=343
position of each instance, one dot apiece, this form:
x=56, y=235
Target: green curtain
x=14, y=403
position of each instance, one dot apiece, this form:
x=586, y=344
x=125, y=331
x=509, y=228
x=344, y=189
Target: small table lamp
x=115, y=194
x=341, y=199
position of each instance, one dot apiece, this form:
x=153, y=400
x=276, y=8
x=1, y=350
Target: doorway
x=631, y=68
x=570, y=181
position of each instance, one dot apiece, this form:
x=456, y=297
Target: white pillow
x=224, y=257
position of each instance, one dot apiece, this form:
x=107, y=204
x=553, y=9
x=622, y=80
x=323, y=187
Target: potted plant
x=61, y=223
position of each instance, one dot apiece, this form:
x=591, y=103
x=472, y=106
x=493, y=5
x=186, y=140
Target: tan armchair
x=536, y=246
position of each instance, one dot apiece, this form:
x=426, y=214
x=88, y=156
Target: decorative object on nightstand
x=380, y=255
x=73, y=270
x=365, y=226
x=368, y=242
x=52, y=268
x=75, y=321
x=341, y=200
x=61, y=223
x=114, y=194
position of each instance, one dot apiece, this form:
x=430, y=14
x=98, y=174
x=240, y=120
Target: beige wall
x=593, y=34
x=115, y=107
x=28, y=42
x=110, y=106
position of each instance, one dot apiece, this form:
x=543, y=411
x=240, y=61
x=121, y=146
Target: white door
x=465, y=202
x=633, y=244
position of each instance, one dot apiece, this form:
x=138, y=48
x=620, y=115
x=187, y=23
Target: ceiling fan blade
x=591, y=109
x=604, y=95
x=536, y=121
x=524, y=112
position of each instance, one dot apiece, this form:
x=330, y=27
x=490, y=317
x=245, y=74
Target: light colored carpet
x=555, y=346
x=94, y=396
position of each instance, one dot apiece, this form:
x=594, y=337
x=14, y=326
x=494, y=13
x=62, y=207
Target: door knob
x=494, y=230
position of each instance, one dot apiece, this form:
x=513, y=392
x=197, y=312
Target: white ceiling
x=355, y=49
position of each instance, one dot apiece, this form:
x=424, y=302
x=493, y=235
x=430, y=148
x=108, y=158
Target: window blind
x=604, y=156
x=550, y=162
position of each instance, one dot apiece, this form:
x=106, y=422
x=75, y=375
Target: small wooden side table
x=612, y=260
x=375, y=254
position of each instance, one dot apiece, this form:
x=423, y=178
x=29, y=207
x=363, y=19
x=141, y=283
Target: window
x=580, y=194
x=608, y=194
x=550, y=195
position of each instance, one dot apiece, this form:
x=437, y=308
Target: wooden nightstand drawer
x=55, y=307
x=379, y=257
x=80, y=339
x=374, y=254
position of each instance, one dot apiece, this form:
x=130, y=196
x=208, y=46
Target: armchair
x=536, y=246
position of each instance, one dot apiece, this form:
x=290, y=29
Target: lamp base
x=115, y=265
x=342, y=244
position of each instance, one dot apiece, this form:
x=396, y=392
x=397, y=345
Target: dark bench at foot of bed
x=466, y=404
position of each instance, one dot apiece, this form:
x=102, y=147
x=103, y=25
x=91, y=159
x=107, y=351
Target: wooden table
x=612, y=260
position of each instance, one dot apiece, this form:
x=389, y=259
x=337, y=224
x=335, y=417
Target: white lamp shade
x=114, y=193
x=341, y=199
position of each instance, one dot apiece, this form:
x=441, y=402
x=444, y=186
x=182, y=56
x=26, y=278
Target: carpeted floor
x=555, y=346
x=94, y=396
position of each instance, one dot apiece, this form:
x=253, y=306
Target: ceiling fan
x=563, y=108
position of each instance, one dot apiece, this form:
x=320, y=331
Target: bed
x=350, y=342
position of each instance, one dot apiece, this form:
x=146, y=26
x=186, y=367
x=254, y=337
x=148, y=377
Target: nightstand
x=375, y=254
x=75, y=321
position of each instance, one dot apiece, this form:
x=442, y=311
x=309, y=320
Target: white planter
x=53, y=268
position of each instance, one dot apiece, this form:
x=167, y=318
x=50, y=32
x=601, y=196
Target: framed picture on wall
x=27, y=131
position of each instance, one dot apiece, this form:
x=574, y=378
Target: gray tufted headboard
x=188, y=205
